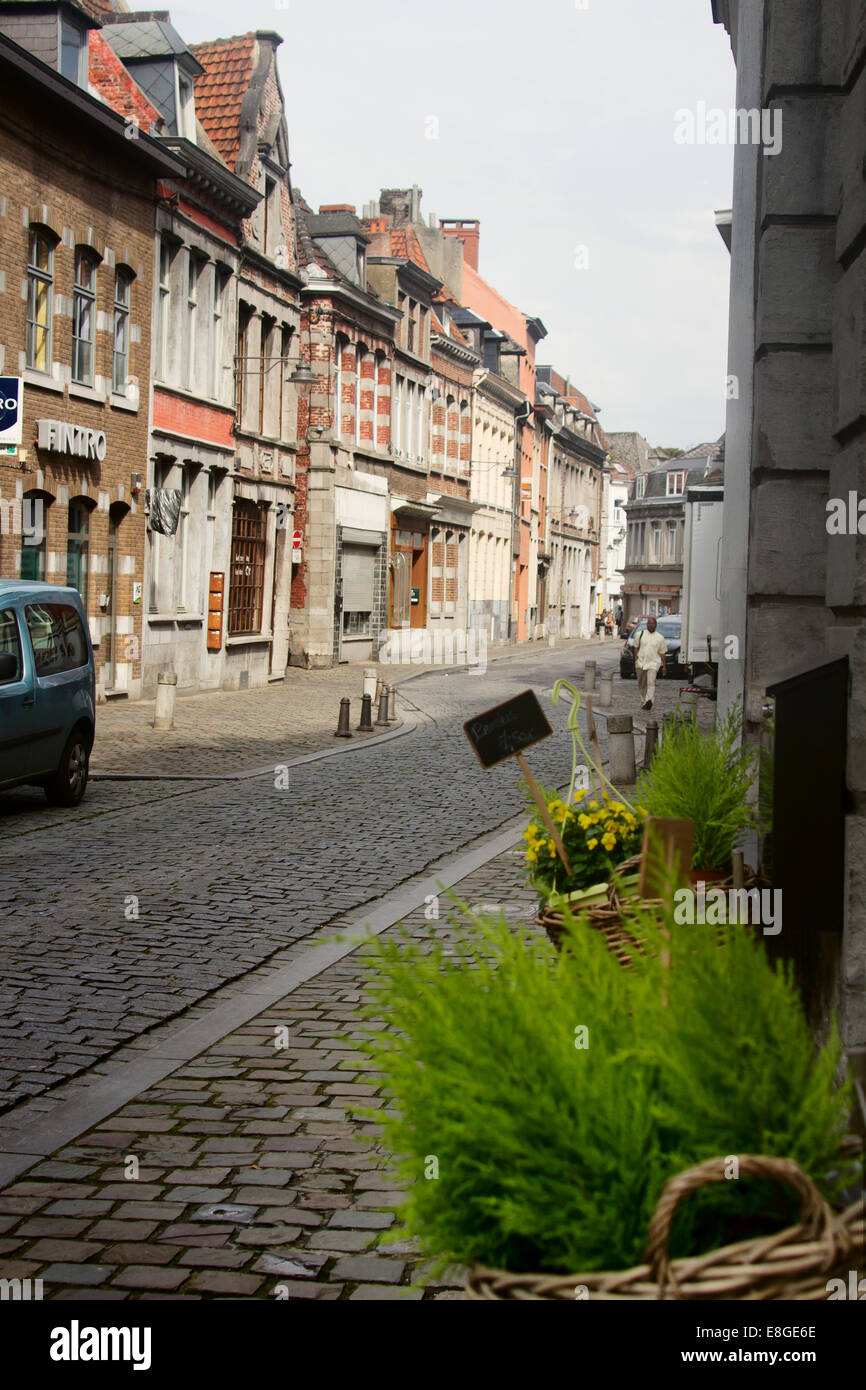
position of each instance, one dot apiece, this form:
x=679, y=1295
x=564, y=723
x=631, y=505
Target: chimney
x=336, y=207
x=401, y=205
x=468, y=232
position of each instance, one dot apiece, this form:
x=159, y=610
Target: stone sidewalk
x=245, y=1173
x=226, y=732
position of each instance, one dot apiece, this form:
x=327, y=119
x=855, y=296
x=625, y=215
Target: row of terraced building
x=255, y=434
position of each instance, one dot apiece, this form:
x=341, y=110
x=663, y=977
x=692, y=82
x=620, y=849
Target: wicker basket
x=615, y=919
x=794, y=1264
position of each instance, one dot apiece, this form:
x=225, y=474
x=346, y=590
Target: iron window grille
x=248, y=569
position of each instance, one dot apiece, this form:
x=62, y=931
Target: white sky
x=555, y=128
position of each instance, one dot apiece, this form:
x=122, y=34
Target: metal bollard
x=366, y=724
x=166, y=689
x=392, y=704
x=370, y=682
x=589, y=675
x=605, y=685
x=382, y=717
x=651, y=741
x=620, y=746
x=343, y=730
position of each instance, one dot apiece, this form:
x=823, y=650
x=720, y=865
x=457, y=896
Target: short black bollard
x=382, y=717
x=366, y=724
x=651, y=741
x=343, y=730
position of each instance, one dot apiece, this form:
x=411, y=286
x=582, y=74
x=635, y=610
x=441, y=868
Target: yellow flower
x=553, y=851
x=609, y=841
x=591, y=844
x=532, y=856
x=593, y=805
x=581, y=793
x=583, y=822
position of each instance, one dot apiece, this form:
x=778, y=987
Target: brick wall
x=82, y=185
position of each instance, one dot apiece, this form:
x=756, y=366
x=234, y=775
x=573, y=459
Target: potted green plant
x=706, y=777
x=599, y=830
x=543, y=1102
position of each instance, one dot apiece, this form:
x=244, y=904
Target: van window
x=10, y=642
x=59, y=643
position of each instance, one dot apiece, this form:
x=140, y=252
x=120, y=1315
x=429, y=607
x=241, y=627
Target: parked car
x=671, y=628
x=631, y=623
x=47, y=690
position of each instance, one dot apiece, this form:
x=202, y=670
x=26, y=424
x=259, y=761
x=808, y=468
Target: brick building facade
x=76, y=271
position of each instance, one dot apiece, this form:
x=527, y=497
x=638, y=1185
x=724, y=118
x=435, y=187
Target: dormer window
x=361, y=265
x=73, y=52
x=676, y=484
x=185, y=108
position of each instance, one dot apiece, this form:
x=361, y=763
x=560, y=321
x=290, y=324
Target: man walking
x=619, y=620
x=651, y=651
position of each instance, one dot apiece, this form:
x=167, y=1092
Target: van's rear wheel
x=69, y=783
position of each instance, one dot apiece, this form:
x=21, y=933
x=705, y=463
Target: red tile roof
x=220, y=90
x=116, y=87
x=405, y=243
x=104, y=11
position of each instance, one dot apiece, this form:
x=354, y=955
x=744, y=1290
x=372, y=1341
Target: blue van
x=47, y=690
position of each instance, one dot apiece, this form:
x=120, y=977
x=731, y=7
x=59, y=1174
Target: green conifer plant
x=541, y=1099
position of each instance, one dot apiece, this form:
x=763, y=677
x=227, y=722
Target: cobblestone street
x=145, y=943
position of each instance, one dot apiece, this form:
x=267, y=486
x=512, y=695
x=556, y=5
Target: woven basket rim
x=794, y=1263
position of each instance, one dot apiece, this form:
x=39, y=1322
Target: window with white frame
x=655, y=555
x=640, y=485
x=676, y=484
x=73, y=52
x=219, y=283
x=360, y=358
x=40, y=300
x=163, y=310
x=120, y=353
x=397, y=414
x=673, y=543
x=83, y=316
x=420, y=437
x=194, y=271
x=339, y=348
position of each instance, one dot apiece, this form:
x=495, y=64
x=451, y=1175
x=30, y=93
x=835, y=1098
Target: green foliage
x=705, y=778
x=551, y=1156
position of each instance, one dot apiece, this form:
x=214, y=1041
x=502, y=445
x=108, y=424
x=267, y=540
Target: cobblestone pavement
x=131, y=909
x=234, y=731
x=245, y=1173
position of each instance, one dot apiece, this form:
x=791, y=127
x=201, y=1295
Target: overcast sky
x=554, y=124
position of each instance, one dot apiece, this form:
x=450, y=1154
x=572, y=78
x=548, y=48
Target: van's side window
x=10, y=642
x=59, y=643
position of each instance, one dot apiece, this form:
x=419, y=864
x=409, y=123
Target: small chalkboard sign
x=507, y=729
x=504, y=732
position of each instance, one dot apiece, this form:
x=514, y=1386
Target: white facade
x=490, y=542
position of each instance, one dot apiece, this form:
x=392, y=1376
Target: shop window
x=40, y=300
x=358, y=576
x=122, y=294
x=83, y=317
x=77, y=547
x=248, y=568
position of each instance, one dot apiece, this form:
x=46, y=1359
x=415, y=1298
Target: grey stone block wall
x=797, y=435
